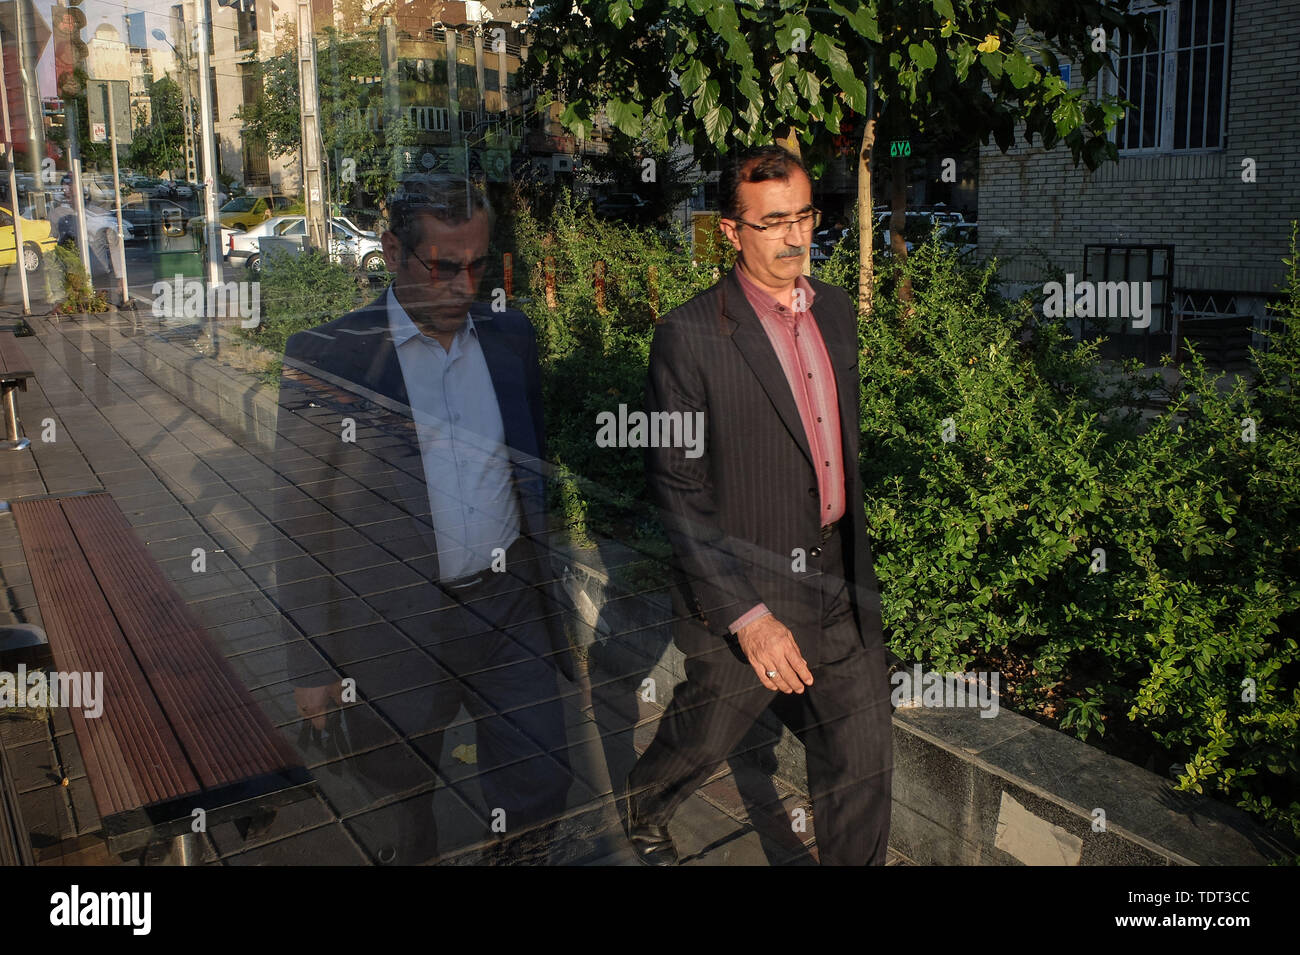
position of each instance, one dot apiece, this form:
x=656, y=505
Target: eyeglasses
x=782, y=228
x=443, y=270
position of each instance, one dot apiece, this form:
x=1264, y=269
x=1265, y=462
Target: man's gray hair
x=444, y=197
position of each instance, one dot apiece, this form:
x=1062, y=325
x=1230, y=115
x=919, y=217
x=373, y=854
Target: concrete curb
x=971, y=790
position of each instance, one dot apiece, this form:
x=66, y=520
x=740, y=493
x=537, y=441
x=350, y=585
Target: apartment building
x=1201, y=199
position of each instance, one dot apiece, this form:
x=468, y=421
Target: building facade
x=1202, y=197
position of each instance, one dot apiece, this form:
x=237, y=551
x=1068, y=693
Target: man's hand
x=768, y=645
x=314, y=701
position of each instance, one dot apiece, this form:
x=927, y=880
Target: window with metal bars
x=1179, y=84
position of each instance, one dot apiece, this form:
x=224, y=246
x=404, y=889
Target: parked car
x=964, y=237
x=942, y=214
x=163, y=188
x=63, y=222
x=38, y=238
x=918, y=227
x=939, y=215
x=98, y=188
x=620, y=205
x=243, y=247
x=349, y=224
x=346, y=243
x=150, y=186
x=825, y=240
x=249, y=211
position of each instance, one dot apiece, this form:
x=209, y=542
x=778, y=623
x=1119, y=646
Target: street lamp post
x=209, y=144
x=191, y=173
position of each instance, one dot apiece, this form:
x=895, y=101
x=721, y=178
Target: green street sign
x=900, y=147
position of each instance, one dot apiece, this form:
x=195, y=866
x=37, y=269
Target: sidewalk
x=180, y=442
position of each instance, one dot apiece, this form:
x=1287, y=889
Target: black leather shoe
x=651, y=843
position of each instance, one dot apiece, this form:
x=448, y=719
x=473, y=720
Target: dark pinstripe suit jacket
x=736, y=514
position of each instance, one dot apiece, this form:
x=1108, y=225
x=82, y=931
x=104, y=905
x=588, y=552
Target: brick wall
x=1227, y=234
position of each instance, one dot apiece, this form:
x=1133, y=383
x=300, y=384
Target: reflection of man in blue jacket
x=432, y=520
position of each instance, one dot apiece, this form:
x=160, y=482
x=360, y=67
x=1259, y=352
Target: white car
x=242, y=247
x=964, y=237
x=349, y=224
x=347, y=243
x=824, y=243
x=99, y=219
x=98, y=188
x=99, y=222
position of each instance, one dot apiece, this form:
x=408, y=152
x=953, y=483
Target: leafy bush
x=593, y=362
x=1122, y=545
x=1111, y=560
x=66, y=278
x=300, y=292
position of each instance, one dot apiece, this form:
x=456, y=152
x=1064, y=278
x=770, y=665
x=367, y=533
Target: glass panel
x=1214, y=99
x=1201, y=16
x=348, y=459
x=1199, y=63
x=1151, y=100
x=1181, y=111
x=1220, y=21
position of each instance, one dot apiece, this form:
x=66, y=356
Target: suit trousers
x=843, y=719
x=492, y=654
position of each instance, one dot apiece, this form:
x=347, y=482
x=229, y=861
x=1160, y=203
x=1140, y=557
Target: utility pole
x=19, y=249
x=32, y=103
x=111, y=90
x=183, y=54
x=478, y=68
x=209, y=145
x=182, y=36
x=191, y=163
x=453, y=85
x=392, y=94
x=313, y=183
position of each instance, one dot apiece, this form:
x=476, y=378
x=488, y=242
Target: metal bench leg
x=187, y=850
x=12, y=441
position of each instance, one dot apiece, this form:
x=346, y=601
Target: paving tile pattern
x=182, y=442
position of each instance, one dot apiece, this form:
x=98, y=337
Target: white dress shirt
x=467, y=466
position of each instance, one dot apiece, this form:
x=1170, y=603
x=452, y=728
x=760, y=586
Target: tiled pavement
x=189, y=471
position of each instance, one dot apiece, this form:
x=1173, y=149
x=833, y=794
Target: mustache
x=794, y=250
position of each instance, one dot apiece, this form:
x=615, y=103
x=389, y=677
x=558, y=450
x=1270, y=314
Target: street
x=140, y=270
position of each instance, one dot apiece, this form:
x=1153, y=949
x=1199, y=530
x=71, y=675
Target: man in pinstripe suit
x=775, y=598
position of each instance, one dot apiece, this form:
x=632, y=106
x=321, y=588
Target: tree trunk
x=866, y=222
x=552, y=301
x=791, y=142
x=898, y=224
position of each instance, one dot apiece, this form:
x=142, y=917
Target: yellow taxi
x=37, y=238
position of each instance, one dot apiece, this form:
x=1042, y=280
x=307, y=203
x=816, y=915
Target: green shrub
x=988, y=547
x=300, y=292
x=593, y=362
x=66, y=278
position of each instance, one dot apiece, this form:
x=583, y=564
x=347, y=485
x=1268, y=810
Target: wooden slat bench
x=178, y=731
x=14, y=372
x=15, y=844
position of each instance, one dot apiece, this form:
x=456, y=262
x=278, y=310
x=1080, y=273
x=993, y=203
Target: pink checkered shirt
x=798, y=344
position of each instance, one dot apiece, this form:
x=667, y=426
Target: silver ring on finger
x=771, y=674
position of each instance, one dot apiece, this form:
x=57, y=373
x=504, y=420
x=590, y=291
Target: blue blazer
x=348, y=369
